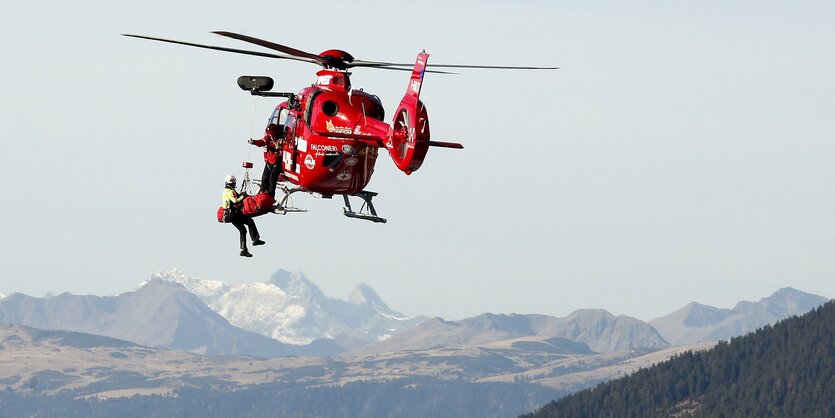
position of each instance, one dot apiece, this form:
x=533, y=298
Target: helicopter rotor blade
x=385, y=66
x=375, y=64
x=360, y=63
x=299, y=53
x=272, y=45
x=485, y=67
x=492, y=67
x=363, y=63
x=220, y=48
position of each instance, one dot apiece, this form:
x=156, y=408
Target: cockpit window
x=279, y=116
x=289, y=126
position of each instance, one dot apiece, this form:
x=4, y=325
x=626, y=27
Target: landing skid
x=283, y=206
x=366, y=212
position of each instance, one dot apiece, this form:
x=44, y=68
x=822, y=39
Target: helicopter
x=331, y=132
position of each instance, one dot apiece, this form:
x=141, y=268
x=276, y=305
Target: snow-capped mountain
x=699, y=323
x=293, y=310
x=159, y=314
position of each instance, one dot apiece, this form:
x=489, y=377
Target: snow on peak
x=201, y=288
x=172, y=274
x=292, y=309
x=285, y=279
x=297, y=284
x=364, y=295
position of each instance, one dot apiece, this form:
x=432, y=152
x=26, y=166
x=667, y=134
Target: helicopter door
x=282, y=117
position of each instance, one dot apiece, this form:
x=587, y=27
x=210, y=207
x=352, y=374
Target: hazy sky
x=683, y=152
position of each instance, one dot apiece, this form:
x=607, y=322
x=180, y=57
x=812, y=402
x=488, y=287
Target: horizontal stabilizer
x=454, y=145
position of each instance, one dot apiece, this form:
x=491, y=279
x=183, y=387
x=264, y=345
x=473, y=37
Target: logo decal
x=324, y=80
x=337, y=129
x=320, y=149
x=309, y=162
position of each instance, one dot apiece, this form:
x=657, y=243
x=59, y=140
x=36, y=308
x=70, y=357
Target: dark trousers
x=269, y=178
x=239, y=222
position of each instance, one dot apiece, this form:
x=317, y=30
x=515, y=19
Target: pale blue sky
x=684, y=152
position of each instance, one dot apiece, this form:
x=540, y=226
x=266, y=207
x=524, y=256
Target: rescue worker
x=232, y=199
x=272, y=142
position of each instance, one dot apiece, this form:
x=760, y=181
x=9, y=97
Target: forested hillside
x=785, y=370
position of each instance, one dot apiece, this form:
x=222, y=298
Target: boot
x=245, y=253
x=258, y=242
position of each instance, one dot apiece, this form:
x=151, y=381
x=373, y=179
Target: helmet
x=230, y=180
x=273, y=129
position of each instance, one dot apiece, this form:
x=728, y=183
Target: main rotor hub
x=337, y=58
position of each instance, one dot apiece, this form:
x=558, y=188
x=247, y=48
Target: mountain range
x=289, y=315
x=360, y=347
x=698, y=323
x=292, y=309
x=158, y=314
x=591, y=330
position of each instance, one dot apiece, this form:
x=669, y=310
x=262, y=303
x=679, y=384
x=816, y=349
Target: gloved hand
x=250, y=141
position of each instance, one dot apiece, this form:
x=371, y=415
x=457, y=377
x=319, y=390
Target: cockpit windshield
x=279, y=116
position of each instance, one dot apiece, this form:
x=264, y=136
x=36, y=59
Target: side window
x=289, y=126
x=279, y=116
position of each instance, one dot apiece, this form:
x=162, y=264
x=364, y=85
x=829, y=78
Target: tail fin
x=408, y=140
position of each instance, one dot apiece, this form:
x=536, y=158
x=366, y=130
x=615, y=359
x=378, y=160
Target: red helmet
x=273, y=129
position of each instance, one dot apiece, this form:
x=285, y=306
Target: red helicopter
x=331, y=131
